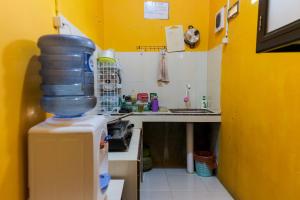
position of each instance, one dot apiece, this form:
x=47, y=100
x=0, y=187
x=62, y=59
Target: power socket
x=225, y=40
x=57, y=22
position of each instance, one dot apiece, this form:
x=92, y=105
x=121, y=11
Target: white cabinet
x=127, y=166
x=66, y=159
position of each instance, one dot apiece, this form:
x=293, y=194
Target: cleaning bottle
x=204, y=103
x=154, y=104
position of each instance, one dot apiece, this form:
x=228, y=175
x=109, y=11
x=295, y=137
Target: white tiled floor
x=177, y=184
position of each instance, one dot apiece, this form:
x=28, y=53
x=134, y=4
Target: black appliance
x=120, y=134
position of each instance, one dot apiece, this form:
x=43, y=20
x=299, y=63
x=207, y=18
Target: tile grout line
x=170, y=191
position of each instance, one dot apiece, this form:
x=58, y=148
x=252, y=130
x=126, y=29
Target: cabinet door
x=278, y=26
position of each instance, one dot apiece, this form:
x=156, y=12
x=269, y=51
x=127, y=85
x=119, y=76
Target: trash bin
x=205, y=163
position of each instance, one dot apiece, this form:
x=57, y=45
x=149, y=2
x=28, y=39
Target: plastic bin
x=205, y=163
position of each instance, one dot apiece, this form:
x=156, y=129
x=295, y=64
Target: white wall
x=214, y=63
x=139, y=73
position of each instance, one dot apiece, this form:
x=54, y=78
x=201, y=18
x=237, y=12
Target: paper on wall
x=175, y=38
x=156, y=10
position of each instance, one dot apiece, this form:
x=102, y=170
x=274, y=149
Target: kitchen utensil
x=108, y=56
x=174, y=38
x=192, y=36
x=143, y=97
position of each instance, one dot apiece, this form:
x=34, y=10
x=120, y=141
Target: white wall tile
x=214, y=63
x=139, y=73
x=155, y=182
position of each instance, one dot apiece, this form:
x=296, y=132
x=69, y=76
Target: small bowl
x=108, y=56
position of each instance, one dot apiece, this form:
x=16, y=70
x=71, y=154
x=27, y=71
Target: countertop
x=167, y=117
x=171, y=113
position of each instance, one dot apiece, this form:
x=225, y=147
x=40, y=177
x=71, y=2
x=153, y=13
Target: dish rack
x=108, y=87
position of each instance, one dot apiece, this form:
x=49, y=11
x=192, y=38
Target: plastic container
x=67, y=74
x=62, y=77
x=61, y=61
x=68, y=90
x=62, y=90
x=68, y=106
x=205, y=163
x=154, y=104
x=89, y=77
x=204, y=104
x=140, y=106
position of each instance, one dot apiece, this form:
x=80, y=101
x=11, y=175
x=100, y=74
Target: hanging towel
x=163, y=75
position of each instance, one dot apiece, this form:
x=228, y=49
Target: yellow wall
x=215, y=39
x=22, y=22
x=87, y=15
x=125, y=26
x=259, y=152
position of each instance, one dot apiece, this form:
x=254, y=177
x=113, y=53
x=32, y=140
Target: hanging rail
x=150, y=48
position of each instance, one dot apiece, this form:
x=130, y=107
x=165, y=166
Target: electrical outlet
x=57, y=22
x=225, y=40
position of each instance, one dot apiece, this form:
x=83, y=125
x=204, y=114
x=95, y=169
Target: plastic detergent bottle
x=204, y=103
x=154, y=104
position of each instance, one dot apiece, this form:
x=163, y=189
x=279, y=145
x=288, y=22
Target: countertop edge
x=115, y=117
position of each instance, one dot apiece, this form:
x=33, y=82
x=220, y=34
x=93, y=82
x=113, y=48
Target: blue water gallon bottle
x=67, y=75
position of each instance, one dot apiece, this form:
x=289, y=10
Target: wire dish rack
x=108, y=87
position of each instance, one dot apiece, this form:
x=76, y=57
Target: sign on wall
x=156, y=10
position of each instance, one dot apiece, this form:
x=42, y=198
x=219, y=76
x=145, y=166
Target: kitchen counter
x=139, y=117
x=171, y=113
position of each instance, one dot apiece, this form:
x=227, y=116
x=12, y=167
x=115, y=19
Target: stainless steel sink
x=188, y=111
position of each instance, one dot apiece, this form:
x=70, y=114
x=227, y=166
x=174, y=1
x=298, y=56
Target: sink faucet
x=187, y=98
